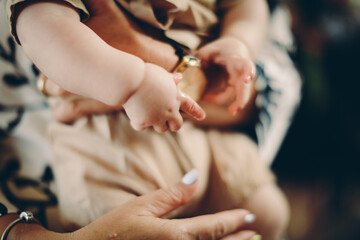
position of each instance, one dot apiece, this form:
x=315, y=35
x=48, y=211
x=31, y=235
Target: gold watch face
x=194, y=80
x=186, y=62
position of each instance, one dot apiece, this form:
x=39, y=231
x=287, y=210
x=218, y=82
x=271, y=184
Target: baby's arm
x=78, y=60
x=74, y=57
x=243, y=31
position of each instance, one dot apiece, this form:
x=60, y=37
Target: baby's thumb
x=177, y=77
x=163, y=201
x=189, y=106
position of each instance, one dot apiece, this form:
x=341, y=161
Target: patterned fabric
x=279, y=87
x=9, y=6
x=24, y=114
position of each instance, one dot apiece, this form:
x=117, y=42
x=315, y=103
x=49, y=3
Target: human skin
x=124, y=34
x=86, y=65
x=141, y=219
x=243, y=31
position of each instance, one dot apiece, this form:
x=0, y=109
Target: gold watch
x=194, y=80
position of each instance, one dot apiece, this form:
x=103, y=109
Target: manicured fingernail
x=190, y=177
x=233, y=111
x=249, y=218
x=256, y=237
x=248, y=79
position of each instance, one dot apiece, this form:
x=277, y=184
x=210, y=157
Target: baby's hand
x=233, y=56
x=157, y=102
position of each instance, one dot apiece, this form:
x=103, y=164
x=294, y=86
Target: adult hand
x=141, y=219
x=233, y=57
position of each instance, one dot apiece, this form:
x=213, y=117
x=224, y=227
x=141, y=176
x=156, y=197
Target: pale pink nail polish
x=249, y=218
x=247, y=79
x=190, y=177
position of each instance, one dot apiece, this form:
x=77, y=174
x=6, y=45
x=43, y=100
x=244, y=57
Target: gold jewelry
x=186, y=62
x=256, y=237
x=24, y=217
x=41, y=81
x=194, y=80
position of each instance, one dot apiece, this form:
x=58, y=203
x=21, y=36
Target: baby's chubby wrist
x=142, y=78
x=126, y=78
x=139, y=70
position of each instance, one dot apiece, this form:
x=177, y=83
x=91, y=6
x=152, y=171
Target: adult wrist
x=25, y=231
x=243, y=45
x=14, y=227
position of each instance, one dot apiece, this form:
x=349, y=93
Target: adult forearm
x=74, y=57
x=28, y=231
x=247, y=22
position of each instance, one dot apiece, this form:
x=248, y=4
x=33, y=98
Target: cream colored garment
x=185, y=21
x=100, y=162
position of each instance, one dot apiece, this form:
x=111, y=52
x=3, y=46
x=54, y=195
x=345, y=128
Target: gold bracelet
x=24, y=217
x=41, y=81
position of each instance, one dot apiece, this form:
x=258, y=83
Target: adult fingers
x=243, y=235
x=207, y=54
x=243, y=95
x=175, y=123
x=219, y=225
x=189, y=106
x=163, y=201
x=241, y=75
x=161, y=128
x=51, y=89
x=240, y=69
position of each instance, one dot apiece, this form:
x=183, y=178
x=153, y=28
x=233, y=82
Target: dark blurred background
x=318, y=163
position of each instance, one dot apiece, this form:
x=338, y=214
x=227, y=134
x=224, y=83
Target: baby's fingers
x=175, y=123
x=189, y=106
x=138, y=126
x=161, y=128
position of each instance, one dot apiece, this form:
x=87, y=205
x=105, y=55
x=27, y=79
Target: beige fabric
x=100, y=162
x=185, y=21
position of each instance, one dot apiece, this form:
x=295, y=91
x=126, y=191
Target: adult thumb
x=163, y=201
